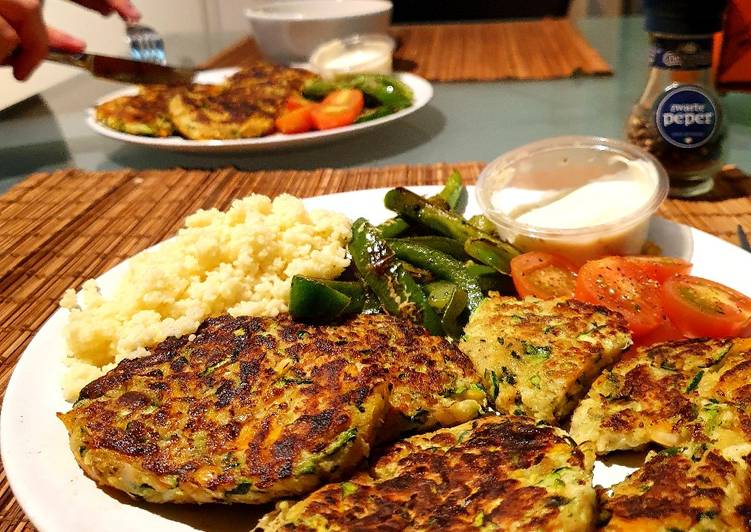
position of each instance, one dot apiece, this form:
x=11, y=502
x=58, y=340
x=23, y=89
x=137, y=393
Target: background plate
x=56, y=495
x=422, y=89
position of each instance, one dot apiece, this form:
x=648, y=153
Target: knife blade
x=124, y=70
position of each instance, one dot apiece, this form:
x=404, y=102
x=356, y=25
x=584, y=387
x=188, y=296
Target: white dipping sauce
x=602, y=201
x=353, y=58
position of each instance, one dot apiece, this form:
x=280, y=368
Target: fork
x=146, y=44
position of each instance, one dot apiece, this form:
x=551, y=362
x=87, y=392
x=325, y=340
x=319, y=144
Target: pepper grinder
x=678, y=117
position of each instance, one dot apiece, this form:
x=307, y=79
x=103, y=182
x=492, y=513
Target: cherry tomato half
x=660, y=268
x=543, y=275
x=699, y=307
x=296, y=121
x=340, y=108
x=619, y=285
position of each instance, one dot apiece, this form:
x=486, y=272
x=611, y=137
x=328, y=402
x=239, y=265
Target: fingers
x=25, y=16
x=8, y=40
x=124, y=8
x=65, y=42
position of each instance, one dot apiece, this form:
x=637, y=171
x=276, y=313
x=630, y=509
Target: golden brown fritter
x=539, y=357
x=262, y=73
x=142, y=114
x=671, y=394
x=252, y=409
x=494, y=473
x=244, y=106
x=682, y=489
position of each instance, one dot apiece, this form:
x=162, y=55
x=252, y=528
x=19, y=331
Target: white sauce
x=601, y=201
x=353, y=58
x=597, y=202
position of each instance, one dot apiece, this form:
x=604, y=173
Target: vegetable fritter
x=539, y=357
x=245, y=106
x=682, y=489
x=497, y=472
x=142, y=114
x=252, y=409
x=671, y=394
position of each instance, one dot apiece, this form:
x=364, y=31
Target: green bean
x=490, y=279
x=443, y=265
x=393, y=227
x=483, y=223
x=421, y=275
x=371, y=114
x=416, y=209
x=385, y=275
x=488, y=252
x=453, y=189
x=453, y=312
x=448, y=198
x=444, y=244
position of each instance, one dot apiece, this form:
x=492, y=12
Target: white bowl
x=287, y=31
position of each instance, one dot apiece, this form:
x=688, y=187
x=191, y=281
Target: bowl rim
x=369, y=7
x=629, y=220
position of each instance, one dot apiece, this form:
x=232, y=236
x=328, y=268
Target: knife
x=125, y=70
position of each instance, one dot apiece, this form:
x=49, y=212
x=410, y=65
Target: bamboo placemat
x=58, y=229
x=535, y=49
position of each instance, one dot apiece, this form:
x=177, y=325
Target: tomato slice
x=543, y=275
x=699, y=307
x=297, y=121
x=297, y=101
x=621, y=286
x=664, y=332
x=340, y=108
x=660, y=268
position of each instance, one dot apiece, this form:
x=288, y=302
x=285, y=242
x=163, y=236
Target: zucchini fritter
x=143, y=114
x=682, y=489
x=671, y=394
x=245, y=106
x=252, y=409
x=539, y=357
x=497, y=472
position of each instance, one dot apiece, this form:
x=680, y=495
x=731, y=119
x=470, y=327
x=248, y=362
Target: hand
x=124, y=8
x=25, y=40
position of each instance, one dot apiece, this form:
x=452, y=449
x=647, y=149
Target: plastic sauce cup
x=357, y=54
x=544, y=172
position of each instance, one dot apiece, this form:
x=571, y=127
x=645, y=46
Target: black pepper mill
x=678, y=117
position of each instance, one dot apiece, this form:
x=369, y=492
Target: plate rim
x=275, y=140
x=34, y=508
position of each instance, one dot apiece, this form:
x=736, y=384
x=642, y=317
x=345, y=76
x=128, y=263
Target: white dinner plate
x=56, y=495
x=422, y=89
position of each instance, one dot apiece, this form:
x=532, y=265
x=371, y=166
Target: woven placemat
x=58, y=229
x=535, y=49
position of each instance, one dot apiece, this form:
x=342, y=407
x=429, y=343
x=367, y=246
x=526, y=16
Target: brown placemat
x=58, y=229
x=534, y=49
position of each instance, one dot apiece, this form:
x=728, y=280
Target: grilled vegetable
x=386, y=276
x=444, y=244
x=416, y=209
x=387, y=91
x=483, y=223
x=372, y=114
x=318, y=299
x=490, y=253
x=447, y=198
x=443, y=265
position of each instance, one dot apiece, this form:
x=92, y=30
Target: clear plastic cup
x=600, y=220
x=356, y=54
